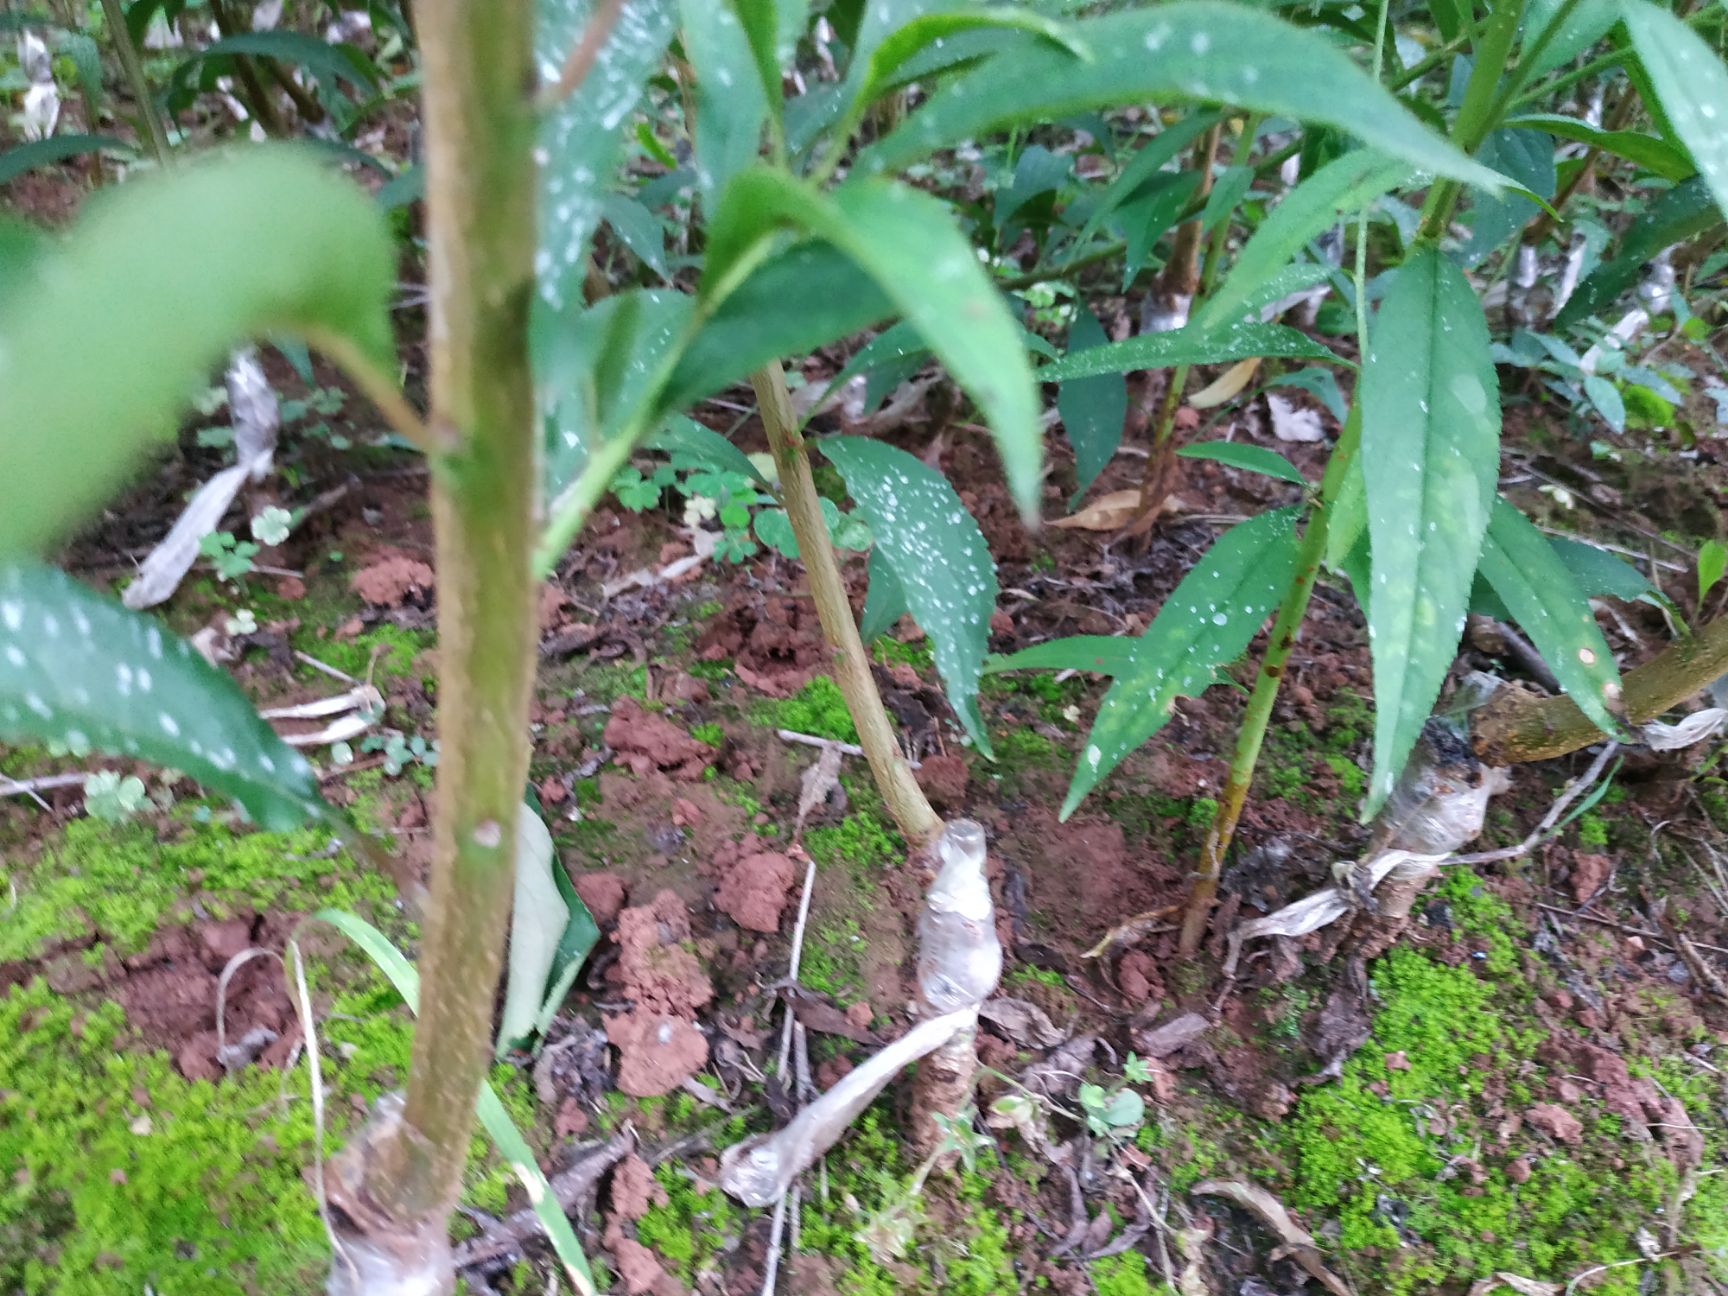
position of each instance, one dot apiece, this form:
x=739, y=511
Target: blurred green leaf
x=579, y=139
x=538, y=917
x=1539, y=592
x=1691, y=84
x=80, y=670
x=157, y=282
x=907, y=242
x=938, y=555
x=683, y=435
x=1207, y=622
x=1596, y=571
x=1656, y=156
x=731, y=106
x=1430, y=458
x=14, y=162
x=1250, y=458
x=931, y=28
x=1092, y=409
x=1682, y=213
x=1184, y=346
x=1311, y=208
x=1101, y=654
x=1712, y=562
x=1188, y=51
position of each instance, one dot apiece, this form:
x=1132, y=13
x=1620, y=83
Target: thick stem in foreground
x=1515, y=726
x=905, y=800
x=1252, y=734
x=479, y=129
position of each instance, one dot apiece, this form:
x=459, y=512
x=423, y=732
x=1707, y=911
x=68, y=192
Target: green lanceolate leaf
x=1207, y=622
x=1184, y=346
x=938, y=555
x=731, y=105
x=884, y=601
x=1539, y=592
x=1250, y=458
x=913, y=37
x=1691, y=84
x=1101, y=654
x=580, y=138
x=1683, y=212
x=1656, y=156
x=1430, y=456
x=1596, y=571
x=1093, y=409
x=1192, y=50
x=906, y=241
x=154, y=286
x=57, y=148
x=1342, y=186
x=804, y=298
x=683, y=435
x=1585, y=22
x=79, y=669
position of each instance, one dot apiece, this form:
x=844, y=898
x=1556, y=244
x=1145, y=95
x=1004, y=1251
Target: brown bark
x=1517, y=726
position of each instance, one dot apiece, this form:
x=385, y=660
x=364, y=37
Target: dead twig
x=582, y=55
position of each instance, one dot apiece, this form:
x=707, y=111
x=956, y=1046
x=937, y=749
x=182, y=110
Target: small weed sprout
x=112, y=798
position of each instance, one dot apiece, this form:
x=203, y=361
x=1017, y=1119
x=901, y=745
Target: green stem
x=1252, y=735
x=155, y=133
x=1480, y=112
x=906, y=802
x=479, y=132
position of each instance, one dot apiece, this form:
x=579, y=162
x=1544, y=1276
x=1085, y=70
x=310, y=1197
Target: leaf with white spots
x=598, y=370
x=79, y=669
x=1344, y=185
x=1691, y=85
x=908, y=243
x=938, y=555
x=157, y=282
x=579, y=139
x=1093, y=409
x=1430, y=458
x=1539, y=591
x=1184, y=346
x=731, y=104
x=1207, y=622
x=884, y=601
x=1190, y=51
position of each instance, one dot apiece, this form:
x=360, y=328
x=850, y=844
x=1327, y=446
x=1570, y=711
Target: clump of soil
x=775, y=643
x=169, y=993
x=943, y=778
x=755, y=888
x=659, y=1044
x=645, y=742
x=393, y=578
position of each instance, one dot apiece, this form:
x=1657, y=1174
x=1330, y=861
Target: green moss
x=395, y=649
x=1124, y=1275
x=184, y=1186
x=920, y=656
x=1027, y=749
x=1028, y=976
x=711, y=733
x=609, y=681
x=982, y=1263
x=818, y=708
x=1482, y=918
x=862, y=842
x=691, y=1227
x=1352, y=778
x=1377, y=1150
x=833, y=962
x=1592, y=831
x=121, y=882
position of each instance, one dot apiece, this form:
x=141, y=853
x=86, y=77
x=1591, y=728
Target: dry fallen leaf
x=1222, y=388
x=1270, y=1211
x=817, y=783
